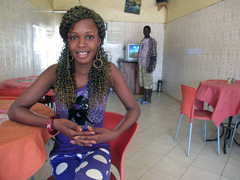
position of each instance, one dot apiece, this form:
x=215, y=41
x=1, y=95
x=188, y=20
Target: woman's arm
x=19, y=110
x=127, y=99
x=131, y=116
x=100, y=135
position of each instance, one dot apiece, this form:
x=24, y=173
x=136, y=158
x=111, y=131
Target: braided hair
x=100, y=79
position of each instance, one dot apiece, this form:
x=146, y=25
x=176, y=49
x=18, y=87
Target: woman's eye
x=89, y=37
x=73, y=38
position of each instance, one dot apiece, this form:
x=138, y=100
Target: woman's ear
x=99, y=41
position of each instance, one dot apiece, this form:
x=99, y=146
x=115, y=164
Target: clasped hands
x=84, y=138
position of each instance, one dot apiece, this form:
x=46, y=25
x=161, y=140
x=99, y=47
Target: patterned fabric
x=151, y=56
x=89, y=166
x=79, y=115
x=143, y=52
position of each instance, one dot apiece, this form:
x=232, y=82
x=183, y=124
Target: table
x=129, y=70
x=18, y=83
x=21, y=83
x=24, y=83
x=223, y=97
x=22, y=147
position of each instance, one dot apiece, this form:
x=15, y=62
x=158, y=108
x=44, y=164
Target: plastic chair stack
x=187, y=108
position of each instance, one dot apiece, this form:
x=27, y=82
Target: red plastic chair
x=118, y=146
x=187, y=108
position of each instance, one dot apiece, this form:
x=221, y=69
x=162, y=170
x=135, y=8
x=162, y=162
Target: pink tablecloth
x=223, y=97
x=21, y=83
x=18, y=83
x=22, y=147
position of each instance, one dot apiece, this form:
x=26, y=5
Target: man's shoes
x=144, y=102
x=140, y=100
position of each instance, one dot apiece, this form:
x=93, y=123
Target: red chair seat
x=118, y=146
x=202, y=114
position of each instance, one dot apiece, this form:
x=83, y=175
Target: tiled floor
x=153, y=154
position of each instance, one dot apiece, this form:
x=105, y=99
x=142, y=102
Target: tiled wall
x=26, y=34
x=30, y=42
x=121, y=33
x=203, y=45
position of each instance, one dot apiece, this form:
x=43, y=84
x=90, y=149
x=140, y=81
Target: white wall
x=121, y=33
x=30, y=41
x=200, y=46
x=26, y=35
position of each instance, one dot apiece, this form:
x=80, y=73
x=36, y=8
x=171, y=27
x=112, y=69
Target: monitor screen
x=132, y=51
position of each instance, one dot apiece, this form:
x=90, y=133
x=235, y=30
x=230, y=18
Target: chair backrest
x=119, y=145
x=188, y=101
x=11, y=92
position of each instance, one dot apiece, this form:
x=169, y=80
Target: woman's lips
x=82, y=54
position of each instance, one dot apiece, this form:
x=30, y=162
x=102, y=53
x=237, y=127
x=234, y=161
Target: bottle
x=229, y=80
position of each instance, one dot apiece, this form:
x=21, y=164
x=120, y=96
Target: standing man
x=147, y=59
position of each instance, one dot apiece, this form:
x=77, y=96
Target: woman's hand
x=72, y=130
x=98, y=135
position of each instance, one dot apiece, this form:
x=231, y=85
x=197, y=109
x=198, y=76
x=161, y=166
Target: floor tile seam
x=226, y=162
x=155, y=170
x=234, y=163
x=190, y=165
x=150, y=167
x=208, y=170
x=144, y=146
x=200, y=154
x=174, y=160
x=167, y=144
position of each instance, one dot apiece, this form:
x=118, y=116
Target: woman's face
x=83, y=41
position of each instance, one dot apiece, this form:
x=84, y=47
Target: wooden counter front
x=130, y=72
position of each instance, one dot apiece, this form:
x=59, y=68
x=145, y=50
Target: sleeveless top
x=79, y=115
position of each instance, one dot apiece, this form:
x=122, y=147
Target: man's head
x=147, y=31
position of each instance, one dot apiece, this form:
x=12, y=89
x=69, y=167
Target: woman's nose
x=81, y=41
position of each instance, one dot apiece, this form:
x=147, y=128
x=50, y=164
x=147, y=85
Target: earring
x=97, y=63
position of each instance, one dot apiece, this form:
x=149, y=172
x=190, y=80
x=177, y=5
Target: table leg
x=235, y=136
x=227, y=134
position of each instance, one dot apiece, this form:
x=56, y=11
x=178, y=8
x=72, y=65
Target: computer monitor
x=132, y=51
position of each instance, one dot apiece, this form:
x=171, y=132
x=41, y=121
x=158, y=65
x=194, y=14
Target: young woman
x=81, y=80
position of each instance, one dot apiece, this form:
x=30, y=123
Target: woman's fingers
x=83, y=142
x=74, y=127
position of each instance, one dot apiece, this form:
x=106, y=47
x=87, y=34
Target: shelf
x=161, y=4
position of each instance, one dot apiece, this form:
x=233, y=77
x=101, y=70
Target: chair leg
x=189, y=139
x=234, y=131
x=218, y=139
x=205, y=124
x=205, y=130
x=178, y=127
